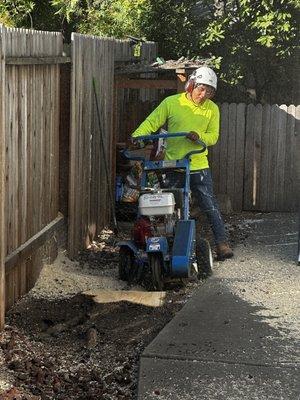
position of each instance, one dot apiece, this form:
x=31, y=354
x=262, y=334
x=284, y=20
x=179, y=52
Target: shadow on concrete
x=217, y=347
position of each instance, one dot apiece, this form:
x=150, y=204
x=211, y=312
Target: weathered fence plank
x=249, y=157
x=223, y=143
x=237, y=201
x=148, y=55
x=295, y=170
x=2, y=176
x=280, y=163
x=265, y=153
x=273, y=143
x=288, y=178
x=257, y=155
x=231, y=154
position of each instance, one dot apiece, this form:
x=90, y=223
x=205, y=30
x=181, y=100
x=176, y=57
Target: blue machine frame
x=182, y=254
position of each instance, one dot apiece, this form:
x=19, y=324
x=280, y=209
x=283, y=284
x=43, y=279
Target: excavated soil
x=59, y=344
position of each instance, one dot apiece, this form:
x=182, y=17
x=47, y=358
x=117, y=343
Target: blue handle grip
x=161, y=136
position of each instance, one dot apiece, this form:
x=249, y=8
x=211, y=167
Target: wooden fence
x=90, y=139
x=256, y=162
x=29, y=115
x=93, y=141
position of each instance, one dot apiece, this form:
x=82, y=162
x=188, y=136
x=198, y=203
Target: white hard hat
x=206, y=76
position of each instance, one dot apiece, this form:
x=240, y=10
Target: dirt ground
x=59, y=344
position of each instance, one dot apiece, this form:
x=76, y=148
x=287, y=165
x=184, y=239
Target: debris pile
x=161, y=65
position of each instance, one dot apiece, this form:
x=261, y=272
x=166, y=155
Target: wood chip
x=150, y=299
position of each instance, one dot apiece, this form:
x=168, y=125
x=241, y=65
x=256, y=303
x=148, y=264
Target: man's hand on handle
x=135, y=144
x=193, y=136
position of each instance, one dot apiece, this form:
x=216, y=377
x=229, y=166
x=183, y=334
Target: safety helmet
x=204, y=75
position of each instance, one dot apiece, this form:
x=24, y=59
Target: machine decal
x=154, y=247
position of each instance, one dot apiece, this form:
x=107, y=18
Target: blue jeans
x=202, y=191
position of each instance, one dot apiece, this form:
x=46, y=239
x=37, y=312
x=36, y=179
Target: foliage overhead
x=116, y=18
x=253, y=42
x=15, y=13
x=174, y=25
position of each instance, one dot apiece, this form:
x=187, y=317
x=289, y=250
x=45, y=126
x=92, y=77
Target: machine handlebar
x=147, y=138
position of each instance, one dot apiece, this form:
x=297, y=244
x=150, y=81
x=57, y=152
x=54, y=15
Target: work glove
x=135, y=143
x=193, y=136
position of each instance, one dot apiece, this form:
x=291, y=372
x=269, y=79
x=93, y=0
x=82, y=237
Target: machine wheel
x=204, y=258
x=156, y=267
x=125, y=264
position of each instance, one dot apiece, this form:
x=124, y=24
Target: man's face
x=201, y=93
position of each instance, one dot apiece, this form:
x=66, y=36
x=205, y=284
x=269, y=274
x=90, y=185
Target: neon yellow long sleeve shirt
x=183, y=115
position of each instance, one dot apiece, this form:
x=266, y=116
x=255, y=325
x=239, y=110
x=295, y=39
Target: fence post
x=2, y=176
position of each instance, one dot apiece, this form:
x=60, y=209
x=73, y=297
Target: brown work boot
x=223, y=251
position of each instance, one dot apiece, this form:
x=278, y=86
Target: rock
x=56, y=329
x=91, y=338
x=108, y=379
x=15, y=365
x=11, y=343
x=56, y=384
x=40, y=376
x=22, y=376
x=28, y=365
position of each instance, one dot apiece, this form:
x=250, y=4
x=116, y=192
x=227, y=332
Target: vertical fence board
x=295, y=171
x=249, y=157
x=273, y=144
x=86, y=158
x=256, y=189
x=148, y=55
x=288, y=176
x=280, y=163
x=214, y=160
x=72, y=159
x=231, y=161
x=264, y=178
x=239, y=158
x=2, y=176
x=223, y=147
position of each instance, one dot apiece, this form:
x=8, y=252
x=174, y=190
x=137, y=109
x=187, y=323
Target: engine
x=154, y=204
x=159, y=209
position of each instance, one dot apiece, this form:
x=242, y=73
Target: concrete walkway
x=237, y=337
